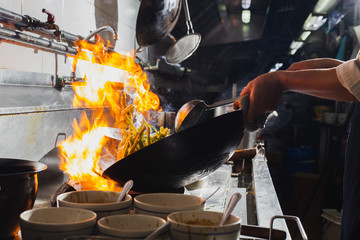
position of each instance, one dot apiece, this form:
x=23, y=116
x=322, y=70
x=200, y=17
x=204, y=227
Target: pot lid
x=155, y=20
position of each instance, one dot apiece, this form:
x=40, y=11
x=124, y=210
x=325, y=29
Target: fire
x=118, y=89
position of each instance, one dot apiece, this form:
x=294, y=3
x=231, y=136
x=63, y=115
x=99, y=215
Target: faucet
x=50, y=23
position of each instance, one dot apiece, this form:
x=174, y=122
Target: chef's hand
x=264, y=94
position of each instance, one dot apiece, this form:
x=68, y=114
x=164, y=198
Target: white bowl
x=130, y=226
x=56, y=223
x=199, y=225
x=103, y=203
x=162, y=204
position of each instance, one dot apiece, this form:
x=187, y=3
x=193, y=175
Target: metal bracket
x=260, y=150
x=57, y=138
x=156, y=67
x=60, y=82
x=288, y=217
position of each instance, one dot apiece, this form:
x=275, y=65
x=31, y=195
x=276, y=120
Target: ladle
x=187, y=45
x=127, y=186
x=235, y=198
x=190, y=112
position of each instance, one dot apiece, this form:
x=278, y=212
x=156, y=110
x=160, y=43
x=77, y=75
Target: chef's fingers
x=246, y=90
x=239, y=103
x=250, y=120
x=250, y=108
x=236, y=104
x=244, y=102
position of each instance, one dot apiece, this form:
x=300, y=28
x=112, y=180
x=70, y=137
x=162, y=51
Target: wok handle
x=243, y=103
x=222, y=102
x=288, y=217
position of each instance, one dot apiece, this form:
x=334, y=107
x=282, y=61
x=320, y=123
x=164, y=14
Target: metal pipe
x=27, y=22
x=15, y=18
x=69, y=37
x=46, y=44
x=100, y=29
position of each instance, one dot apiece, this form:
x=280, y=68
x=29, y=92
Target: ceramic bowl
x=199, y=225
x=103, y=203
x=130, y=226
x=162, y=204
x=56, y=223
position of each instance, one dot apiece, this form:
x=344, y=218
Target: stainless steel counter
x=267, y=203
x=228, y=186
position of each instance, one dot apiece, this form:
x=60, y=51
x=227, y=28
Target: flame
x=112, y=83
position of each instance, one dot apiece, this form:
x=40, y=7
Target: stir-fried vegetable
x=136, y=138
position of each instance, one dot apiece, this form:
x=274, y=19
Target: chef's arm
x=266, y=90
x=323, y=83
x=316, y=63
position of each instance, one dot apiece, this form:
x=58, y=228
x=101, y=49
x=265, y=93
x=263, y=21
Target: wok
x=18, y=188
x=182, y=158
x=155, y=20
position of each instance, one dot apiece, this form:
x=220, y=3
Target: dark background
x=305, y=154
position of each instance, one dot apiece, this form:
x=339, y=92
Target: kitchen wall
x=35, y=118
x=78, y=17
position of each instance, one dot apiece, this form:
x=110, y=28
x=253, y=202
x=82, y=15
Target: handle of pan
x=288, y=217
x=223, y=102
x=57, y=138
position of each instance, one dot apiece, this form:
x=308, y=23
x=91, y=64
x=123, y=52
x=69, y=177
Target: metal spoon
x=205, y=199
x=158, y=231
x=190, y=112
x=235, y=198
x=127, y=186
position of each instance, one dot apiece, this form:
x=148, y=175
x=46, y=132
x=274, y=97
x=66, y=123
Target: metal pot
x=18, y=188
